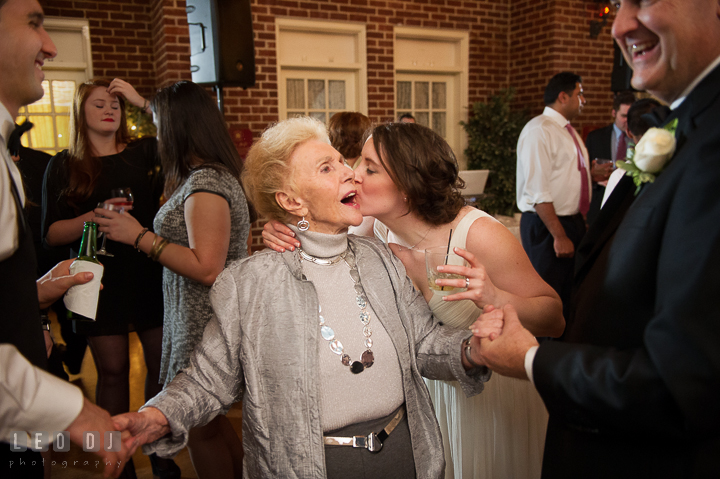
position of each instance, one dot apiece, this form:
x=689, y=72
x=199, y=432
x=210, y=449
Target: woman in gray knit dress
x=201, y=228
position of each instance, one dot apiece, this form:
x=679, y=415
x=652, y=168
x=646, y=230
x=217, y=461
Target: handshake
x=503, y=341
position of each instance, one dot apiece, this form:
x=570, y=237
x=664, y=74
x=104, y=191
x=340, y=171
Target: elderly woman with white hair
x=325, y=345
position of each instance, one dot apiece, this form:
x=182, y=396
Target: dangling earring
x=303, y=225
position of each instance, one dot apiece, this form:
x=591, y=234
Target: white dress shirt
x=614, y=140
x=9, y=241
x=33, y=400
x=547, y=165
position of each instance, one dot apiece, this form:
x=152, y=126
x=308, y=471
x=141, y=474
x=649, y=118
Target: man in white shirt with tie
x=553, y=184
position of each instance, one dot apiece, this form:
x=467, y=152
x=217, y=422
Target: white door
x=318, y=94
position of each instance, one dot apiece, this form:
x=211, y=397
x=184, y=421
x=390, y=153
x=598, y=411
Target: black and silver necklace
x=328, y=333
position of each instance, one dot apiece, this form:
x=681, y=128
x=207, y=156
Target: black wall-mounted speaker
x=621, y=72
x=222, y=51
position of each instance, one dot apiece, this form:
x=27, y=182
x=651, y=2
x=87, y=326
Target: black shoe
x=164, y=468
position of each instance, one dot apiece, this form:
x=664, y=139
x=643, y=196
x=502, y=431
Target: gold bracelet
x=156, y=250
x=152, y=248
x=139, y=237
x=160, y=249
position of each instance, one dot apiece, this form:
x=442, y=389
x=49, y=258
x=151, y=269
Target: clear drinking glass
x=111, y=207
x=123, y=193
x=438, y=256
x=119, y=206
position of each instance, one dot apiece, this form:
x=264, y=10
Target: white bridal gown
x=498, y=434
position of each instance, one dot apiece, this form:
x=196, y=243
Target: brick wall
x=171, y=42
x=519, y=43
x=486, y=20
x=553, y=36
x=120, y=37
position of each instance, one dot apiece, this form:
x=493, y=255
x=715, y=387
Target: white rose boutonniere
x=647, y=159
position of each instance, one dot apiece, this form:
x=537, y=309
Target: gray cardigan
x=261, y=347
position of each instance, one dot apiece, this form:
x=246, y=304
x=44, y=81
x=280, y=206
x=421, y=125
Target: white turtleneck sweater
x=348, y=398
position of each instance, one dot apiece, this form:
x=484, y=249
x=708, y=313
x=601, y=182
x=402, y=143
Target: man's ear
x=294, y=206
x=563, y=98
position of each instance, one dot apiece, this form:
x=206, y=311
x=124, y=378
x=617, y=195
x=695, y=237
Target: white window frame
x=56, y=68
x=81, y=26
x=458, y=68
x=358, y=68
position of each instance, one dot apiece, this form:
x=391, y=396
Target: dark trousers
x=395, y=459
x=539, y=246
x=20, y=465
x=598, y=191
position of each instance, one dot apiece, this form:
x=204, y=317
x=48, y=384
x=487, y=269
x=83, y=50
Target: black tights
x=112, y=362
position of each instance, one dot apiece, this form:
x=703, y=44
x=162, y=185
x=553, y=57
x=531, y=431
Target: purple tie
x=621, y=148
x=582, y=167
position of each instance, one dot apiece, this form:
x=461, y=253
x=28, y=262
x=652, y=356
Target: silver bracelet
x=468, y=355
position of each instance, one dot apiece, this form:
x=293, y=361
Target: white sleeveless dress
x=498, y=434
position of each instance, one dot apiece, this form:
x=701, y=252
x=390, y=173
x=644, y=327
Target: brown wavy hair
x=347, y=129
x=423, y=166
x=83, y=166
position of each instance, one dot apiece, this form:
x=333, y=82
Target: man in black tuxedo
x=634, y=389
x=608, y=143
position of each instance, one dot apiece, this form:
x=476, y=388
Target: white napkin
x=83, y=298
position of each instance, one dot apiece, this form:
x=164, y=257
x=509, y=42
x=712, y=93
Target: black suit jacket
x=598, y=143
x=634, y=389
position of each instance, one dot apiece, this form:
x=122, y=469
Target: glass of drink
x=122, y=193
x=439, y=256
x=111, y=207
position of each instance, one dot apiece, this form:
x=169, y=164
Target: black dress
x=132, y=295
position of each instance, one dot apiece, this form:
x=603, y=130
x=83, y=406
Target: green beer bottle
x=88, y=243
x=90, y=292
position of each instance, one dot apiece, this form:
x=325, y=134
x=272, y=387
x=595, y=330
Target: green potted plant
x=493, y=129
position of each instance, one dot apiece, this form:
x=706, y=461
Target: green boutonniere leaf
x=672, y=126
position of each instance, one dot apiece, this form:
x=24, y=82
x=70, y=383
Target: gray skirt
x=395, y=459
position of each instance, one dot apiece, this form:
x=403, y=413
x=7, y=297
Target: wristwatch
x=44, y=320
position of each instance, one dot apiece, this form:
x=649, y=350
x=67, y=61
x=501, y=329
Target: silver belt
x=372, y=442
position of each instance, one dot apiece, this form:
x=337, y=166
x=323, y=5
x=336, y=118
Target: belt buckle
x=372, y=442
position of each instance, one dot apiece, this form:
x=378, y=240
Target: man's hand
x=600, y=172
x=564, y=247
x=506, y=353
x=58, y=280
x=94, y=418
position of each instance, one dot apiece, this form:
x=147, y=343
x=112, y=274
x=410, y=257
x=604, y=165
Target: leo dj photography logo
x=92, y=441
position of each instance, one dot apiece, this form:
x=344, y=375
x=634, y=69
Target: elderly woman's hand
x=481, y=289
x=121, y=227
x=142, y=427
x=279, y=237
